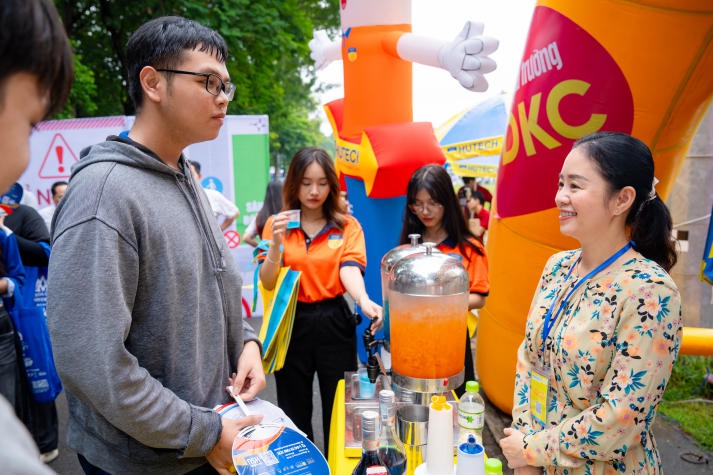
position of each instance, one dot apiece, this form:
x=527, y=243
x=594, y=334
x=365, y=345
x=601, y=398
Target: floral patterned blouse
x=611, y=352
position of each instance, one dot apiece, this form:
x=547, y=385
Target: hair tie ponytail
x=652, y=193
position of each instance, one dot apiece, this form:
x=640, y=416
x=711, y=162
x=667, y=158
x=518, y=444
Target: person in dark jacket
x=33, y=237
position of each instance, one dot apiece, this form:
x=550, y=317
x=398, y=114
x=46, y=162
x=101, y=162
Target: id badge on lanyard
x=539, y=393
x=540, y=375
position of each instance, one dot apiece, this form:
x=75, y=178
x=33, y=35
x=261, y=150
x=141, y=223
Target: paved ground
x=673, y=443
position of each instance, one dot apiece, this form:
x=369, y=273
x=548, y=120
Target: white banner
x=237, y=158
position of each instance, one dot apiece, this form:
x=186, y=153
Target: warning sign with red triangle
x=58, y=159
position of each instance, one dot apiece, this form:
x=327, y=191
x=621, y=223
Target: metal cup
x=412, y=429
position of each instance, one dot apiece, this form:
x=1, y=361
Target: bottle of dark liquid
x=391, y=450
x=369, y=463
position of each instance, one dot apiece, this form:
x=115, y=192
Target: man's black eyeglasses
x=213, y=83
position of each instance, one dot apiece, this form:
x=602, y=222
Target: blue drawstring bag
x=28, y=315
x=31, y=326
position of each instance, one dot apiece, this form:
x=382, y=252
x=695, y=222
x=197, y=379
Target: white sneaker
x=48, y=457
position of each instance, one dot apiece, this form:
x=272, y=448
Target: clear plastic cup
x=293, y=219
x=367, y=389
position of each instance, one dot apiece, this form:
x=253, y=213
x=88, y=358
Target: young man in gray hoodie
x=144, y=300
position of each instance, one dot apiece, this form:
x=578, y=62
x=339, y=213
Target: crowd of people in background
x=58, y=188
x=474, y=212
x=224, y=210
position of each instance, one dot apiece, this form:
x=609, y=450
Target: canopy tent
x=472, y=139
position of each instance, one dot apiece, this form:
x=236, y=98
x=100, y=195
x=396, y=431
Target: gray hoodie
x=144, y=310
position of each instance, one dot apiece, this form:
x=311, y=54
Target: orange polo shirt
x=320, y=259
x=475, y=264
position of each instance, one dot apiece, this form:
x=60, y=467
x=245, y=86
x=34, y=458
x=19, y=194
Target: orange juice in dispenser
x=428, y=305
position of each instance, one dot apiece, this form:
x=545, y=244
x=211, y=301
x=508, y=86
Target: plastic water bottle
x=471, y=414
x=493, y=466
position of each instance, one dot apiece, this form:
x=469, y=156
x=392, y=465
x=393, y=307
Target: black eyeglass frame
x=227, y=87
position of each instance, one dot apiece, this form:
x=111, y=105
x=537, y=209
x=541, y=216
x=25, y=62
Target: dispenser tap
x=374, y=365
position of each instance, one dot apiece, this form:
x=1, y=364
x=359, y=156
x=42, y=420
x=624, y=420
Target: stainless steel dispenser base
x=428, y=386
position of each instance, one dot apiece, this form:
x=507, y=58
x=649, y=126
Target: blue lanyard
x=549, y=319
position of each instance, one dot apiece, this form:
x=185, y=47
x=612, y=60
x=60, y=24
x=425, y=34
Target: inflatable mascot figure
x=378, y=145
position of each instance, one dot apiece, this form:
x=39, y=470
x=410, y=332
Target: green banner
x=251, y=173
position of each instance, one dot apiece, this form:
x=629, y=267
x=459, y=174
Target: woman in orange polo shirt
x=328, y=248
x=433, y=211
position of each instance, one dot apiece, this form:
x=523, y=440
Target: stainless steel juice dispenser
x=428, y=303
x=427, y=295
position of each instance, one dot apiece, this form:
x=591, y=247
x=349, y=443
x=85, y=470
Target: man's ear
x=153, y=83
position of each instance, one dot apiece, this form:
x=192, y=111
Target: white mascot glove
x=466, y=57
x=319, y=44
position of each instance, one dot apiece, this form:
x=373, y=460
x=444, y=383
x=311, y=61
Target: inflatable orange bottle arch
x=640, y=67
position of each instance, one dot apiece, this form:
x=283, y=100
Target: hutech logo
x=568, y=86
x=41, y=291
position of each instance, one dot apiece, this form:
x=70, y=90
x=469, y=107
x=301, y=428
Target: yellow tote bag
x=472, y=320
x=279, y=305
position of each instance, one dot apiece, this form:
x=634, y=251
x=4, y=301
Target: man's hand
x=466, y=57
x=250, y=378
x=221, y=455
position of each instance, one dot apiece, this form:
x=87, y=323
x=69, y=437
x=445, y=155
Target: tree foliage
x=269, y=57
x=81, y=101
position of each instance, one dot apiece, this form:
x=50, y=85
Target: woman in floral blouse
x=604, y=327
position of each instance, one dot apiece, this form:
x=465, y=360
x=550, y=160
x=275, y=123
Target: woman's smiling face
x=583, y=197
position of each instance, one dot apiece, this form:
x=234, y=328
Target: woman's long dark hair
x=333, y=207
x=626, y=161
x=437, y=183
x=271, y=204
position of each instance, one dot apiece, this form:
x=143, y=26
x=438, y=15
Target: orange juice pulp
x=427, y=334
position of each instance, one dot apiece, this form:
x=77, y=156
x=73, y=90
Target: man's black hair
x=33, y=40
x=478, y=196
x=162, y=42
x=56, y=185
